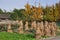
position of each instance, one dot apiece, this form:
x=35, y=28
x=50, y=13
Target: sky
x=9, y=5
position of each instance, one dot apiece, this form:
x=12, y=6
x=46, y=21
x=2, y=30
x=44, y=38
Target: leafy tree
x=50, y=13
x=46, y=12
x=39, y=13
x=21, y=14
x=18, y=14
x=15, y=14
x=33, y=13
x=57, y=6
x=56, y=15
x=27, y=11
x=1, y=11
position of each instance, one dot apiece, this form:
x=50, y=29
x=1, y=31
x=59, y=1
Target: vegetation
x=50, y=13
x=58, y=32
x=33, y=13
x=15, y=36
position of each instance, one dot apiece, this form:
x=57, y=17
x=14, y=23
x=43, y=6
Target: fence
x=40, y=28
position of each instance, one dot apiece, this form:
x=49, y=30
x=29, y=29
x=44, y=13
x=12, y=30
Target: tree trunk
x=49, y=26
x=38, y=31
x=53, y=29
x=9, y=28
x=47, y=30
x=33, y=25
x=42, y=28
x=26, y=26
x=21, y=27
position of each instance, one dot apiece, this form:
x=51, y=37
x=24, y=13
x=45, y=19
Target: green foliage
x=58, y=32
x=17, y=14
x=21, y=14
x=15, y=36
x=57, y=7
x=13, y=16
x=1, y=11
x=49, y=13
x=45, y=36
x=58, y=29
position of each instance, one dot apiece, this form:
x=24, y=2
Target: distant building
x=4, y=16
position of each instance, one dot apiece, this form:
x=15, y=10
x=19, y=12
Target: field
x=15, y=36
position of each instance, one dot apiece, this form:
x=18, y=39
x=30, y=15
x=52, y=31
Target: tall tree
x=1, y=11
x=21, y=14
x=27, y=11
x=18, y=14
x=46, y=12
x=57, y=6
x=15, y=14
x=36, y=13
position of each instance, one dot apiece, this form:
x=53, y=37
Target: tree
x=1, y=11
x=46, y=12
x=14, y=14
x=33, y=12
x=27, y=11
x=50, y=13
x=39, y=13
x=57, y=7
x=36, y=13
x=21, y=14
x=17, y=14
x=56, y=13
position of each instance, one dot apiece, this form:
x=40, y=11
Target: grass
x=45, y=36
x=15, y=36
x=58, y=32
x=58, y=27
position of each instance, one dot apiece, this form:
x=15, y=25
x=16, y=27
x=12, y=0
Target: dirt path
x=53, y=38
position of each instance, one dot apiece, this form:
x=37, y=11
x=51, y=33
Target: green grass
x=58, y=27
x=45, y=36
x=58, y=32
x=15, y=36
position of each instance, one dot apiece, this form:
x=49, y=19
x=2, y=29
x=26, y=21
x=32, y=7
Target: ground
x=52, y=38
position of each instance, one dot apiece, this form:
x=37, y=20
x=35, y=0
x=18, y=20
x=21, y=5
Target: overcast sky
x=9, y=5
